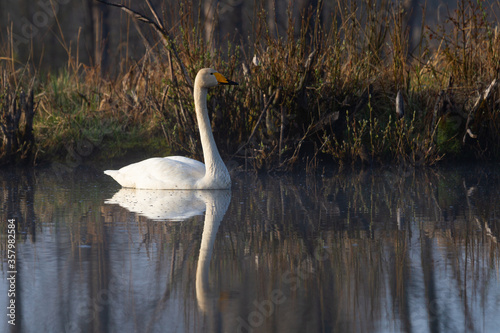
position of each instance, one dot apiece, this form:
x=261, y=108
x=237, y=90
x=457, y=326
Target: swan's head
x=208, y=77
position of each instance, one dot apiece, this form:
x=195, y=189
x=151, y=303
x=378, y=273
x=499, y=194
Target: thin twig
x=158, y=21
x=479, y=102
x=158, y=27
x=268, y=104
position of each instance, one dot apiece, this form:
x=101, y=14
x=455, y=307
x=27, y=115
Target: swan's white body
x=178, y=172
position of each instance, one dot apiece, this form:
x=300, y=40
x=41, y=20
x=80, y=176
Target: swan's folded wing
x=173, y=172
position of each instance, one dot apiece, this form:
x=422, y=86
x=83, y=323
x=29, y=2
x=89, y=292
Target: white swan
x=178, y=172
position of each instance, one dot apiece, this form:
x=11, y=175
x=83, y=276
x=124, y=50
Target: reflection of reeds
x=367, y=252
x=347, y=251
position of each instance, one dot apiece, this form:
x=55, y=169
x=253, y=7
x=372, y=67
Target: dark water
x=386, y=250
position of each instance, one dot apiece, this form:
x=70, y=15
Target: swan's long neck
x=212, y=222
x=213, y=162
x=216, y=203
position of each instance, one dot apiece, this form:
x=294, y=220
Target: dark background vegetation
x=99, y=34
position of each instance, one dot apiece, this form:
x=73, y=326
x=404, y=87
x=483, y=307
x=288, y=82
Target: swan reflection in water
x=179, y=205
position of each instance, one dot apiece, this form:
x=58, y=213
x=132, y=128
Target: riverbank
x=346, y=93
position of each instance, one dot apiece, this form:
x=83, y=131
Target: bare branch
x=155, y=14
x=158, y=27
x=268, y=104
x=479, y=102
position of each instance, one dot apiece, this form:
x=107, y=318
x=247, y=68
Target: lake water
x=382, y=250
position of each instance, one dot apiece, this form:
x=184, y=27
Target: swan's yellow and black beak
x=223, y=80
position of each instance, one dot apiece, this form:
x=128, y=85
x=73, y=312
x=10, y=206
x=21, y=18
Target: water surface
x=384, y=250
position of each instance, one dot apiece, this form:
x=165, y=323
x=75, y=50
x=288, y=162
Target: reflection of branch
x=473, y=216
x=160, y=29
x=436, y=201
x=487, y=229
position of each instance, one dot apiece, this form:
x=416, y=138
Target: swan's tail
x=116, y=175
x=111, y=173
